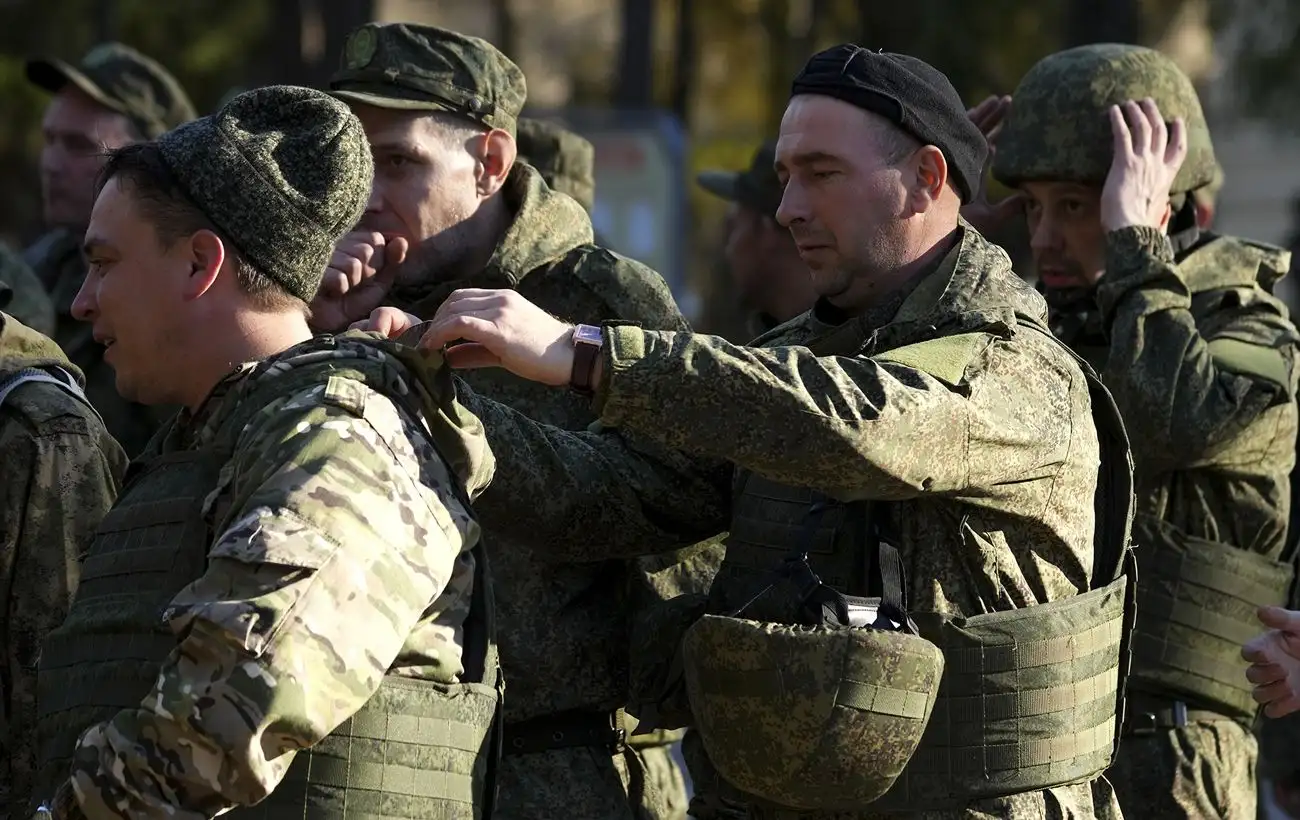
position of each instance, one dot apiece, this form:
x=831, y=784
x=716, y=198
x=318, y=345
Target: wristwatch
x=587, y=343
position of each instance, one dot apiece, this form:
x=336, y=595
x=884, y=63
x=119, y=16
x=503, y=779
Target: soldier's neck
x=249, y=336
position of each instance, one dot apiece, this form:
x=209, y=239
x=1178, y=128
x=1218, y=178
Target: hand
x=389, y=321
x=500, y=328
x=359, y=276
x=987, y=216
x=1275, y=661
x=1147, y=158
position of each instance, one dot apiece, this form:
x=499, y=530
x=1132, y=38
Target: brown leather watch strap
x=587, y=344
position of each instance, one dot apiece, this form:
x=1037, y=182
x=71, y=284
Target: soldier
x=1200, y=357
x=451, y=208
x=25, y=299
x=922, y=403
x=62, y=471
x=773, y=281
x=115, y=96
x=285, y=606
x=567, y=163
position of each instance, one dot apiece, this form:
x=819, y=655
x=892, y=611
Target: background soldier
x=770, y=277
x=451, y=208
x=837, y=435
x=26, y=299
x=61, y=473
x=1200, y=358
x=292, y=565
x=115, y=96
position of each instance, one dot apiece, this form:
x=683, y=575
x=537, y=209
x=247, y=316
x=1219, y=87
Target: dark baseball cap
x=123, y=80
x=907, y=91
x=758, y=188
x=410, y=67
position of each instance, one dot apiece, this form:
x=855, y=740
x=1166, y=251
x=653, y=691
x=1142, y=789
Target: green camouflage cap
x=565, y=160
x=122, y=79
x=411, y=67
x=283, y=172
x=758, y=188
x=1059, y=128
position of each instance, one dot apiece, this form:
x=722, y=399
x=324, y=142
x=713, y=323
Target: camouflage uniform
x=999, y=527
x=25, y=298
x=566, y=163
x=1200, y=358
x=62, y=472
x=286, y=605
x=123, y=80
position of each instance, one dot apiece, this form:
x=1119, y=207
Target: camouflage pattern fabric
x=972, y=539
x=562, y=628
x=332, y=488
x=62, y=473
x=1212, y=448
x=1205, y=770
x=567, y=161
x=1059, y=129
x=22, y=295
x=56, y=259
x=123, y=80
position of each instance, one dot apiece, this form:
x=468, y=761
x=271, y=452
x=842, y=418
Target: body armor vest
x=1030, y=698
x=416, y=749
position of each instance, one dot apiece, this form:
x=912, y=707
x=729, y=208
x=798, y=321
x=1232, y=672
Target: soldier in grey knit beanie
x=283, y=172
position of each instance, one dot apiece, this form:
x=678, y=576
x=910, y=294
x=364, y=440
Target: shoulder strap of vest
x=43, y=375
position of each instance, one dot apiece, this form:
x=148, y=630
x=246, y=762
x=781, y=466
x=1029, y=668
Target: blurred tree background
x=723, y=67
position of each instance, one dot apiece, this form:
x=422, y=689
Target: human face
x=1066, y=237
x=844, y=201
x=133, y=296
x=425, y=188
x=76, y=133
x=766, y=266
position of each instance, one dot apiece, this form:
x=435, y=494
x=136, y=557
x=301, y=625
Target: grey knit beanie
x=283, y=172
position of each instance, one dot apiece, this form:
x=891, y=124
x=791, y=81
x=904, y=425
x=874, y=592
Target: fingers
x=1139, y=127
x=1155, y=124
x=470, y=356
x=1263, y=674
x=457, y=327
x=389, y=321
x=335, y=283
x=1120, y=131
x=395, y=252
x=980, y=112
x=1176, y=151
x=1276, y=617
x=1283, y=707
x=1272, y=692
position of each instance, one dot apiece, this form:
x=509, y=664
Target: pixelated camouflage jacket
x=332, y=487
x=562, y=628
x=57, y=260
x=985, y=472
x=1212, y=444
x=62, y=472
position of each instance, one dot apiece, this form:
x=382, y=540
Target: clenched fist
x=359, y=276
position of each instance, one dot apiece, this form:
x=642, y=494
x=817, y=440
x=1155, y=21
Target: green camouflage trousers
x=1202, y=771
x=587, y=783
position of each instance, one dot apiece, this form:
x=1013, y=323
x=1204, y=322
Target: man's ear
x=928, y=177
x=495, y=156
x=207, y=255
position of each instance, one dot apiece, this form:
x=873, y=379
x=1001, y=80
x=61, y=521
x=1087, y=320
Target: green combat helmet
x=565, y=160
x=821, y=714
x=1059, y=129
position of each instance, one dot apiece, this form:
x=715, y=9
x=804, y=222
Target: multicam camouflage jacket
x=62, y=472
x=333, y=553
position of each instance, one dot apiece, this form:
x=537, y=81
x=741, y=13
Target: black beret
x=908, y=92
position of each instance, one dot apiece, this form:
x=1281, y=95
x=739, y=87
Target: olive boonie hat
x=283, y=172
x=565, y=160
x=758, y=188
x=122, y=79
x=412, y=67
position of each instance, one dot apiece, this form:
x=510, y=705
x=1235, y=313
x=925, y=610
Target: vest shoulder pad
x=1258, y=361
x=946, y=358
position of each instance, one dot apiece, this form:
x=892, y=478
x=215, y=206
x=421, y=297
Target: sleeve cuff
x=625, y=347
x=1135, y=244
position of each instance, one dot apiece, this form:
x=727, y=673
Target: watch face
x=587, y=334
